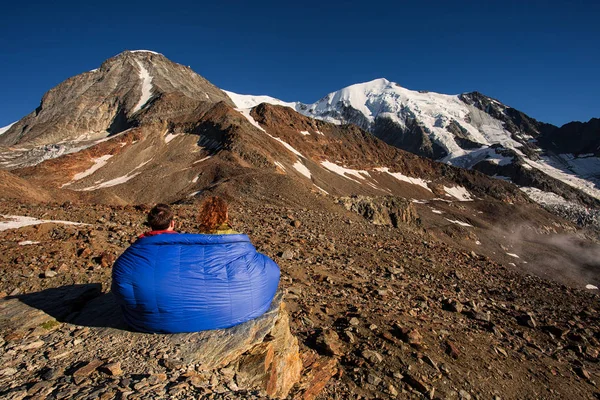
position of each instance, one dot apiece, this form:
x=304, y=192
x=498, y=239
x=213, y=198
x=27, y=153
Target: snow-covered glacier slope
x=468, y=130
x=364, y=103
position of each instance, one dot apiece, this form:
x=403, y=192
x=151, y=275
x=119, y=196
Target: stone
x=52, y=373
x=410, y=336
x=526, y=320
x=384, y=210
x=113, y=368
x=452, y=350
x=106, y=259
x=392, y=390
x=354, y=321
x=373, y=379
x=372, y=356
x=582, y=373
x=452, y=305
x=49, y=273
x=417, y=383
x=479, y=316
x=88, y=368
x=31, y=346
x=328, y=342
x=315, y=378
x=8, y=371
x=287, y=254
x=275, y=365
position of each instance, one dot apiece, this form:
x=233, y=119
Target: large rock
x=387, y=210
x=262, y=353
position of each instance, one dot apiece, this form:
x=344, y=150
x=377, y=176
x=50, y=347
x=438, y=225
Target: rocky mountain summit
x=402, y=277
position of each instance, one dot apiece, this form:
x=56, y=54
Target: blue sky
x=541, y=57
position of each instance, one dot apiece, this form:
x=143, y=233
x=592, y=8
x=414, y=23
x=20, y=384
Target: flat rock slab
x=79, y=330
x=87, y=306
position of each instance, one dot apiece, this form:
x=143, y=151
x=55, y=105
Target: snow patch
x=246, y=113
x=459, y=193
x=580, y=173
x=343, y=171
x=305, y=133
x=203, y=159
x=117, y=181
x=146, y=79
x=545, y=198
x=280, y=165
x=19, y=221
x=512, y=255
x=321, y=189
x=298, y=166
x=404, y=178
x=591, y=287
x=195, y=179
x=27, y=242
x=98, y=163
x=433, y=210
x=457, y=222
x=170, y=137
x=250, y=101
x=145, y=51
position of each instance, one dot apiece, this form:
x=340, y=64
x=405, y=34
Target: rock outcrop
x=260, y=355
x=388, y=210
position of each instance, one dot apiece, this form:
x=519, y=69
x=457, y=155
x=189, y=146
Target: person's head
x=213, y=213
x=160, y=218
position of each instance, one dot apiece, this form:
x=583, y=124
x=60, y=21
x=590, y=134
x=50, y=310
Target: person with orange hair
x=214, y=218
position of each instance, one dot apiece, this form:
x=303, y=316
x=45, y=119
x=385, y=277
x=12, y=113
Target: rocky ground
x=394, y=312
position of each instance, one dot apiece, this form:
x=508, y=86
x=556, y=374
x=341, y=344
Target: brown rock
x=452, y=350
x=452, y=305
x=410, y=336
x=329, y=342
x=113, y=369
x=273, y=366
x=84, y=252
x=88, y=368
x=316, y=378
x=106, y=259
x=416, y=383
x=582, y=372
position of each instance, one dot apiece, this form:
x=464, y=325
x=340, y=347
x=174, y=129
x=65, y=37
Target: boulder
x=262, y=353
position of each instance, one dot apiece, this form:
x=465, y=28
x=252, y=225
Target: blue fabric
x=186, y=282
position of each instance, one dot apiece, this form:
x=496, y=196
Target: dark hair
x=160, y=217
x=213, y=213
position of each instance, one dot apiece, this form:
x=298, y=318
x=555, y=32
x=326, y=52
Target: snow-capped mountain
x=468, y=130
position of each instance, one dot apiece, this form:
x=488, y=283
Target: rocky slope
x=389, y=312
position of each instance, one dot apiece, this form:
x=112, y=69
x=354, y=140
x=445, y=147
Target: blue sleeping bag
x=184, y=282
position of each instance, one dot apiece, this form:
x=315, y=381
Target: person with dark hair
x=214, y=218
x=160, y=220
x=192, y=282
